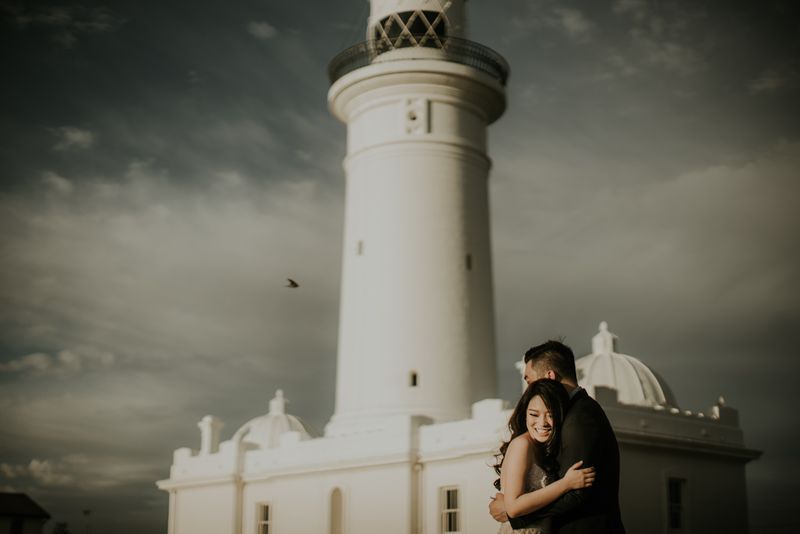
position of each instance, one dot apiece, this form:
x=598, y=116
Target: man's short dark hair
x=553, y=355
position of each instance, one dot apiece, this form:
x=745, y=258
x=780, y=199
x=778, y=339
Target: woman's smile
x=539, y=420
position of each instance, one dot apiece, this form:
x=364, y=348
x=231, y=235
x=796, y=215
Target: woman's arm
x=515, y=471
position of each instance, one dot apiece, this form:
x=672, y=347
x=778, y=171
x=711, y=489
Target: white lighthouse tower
x=410, y=444
x=416, y=332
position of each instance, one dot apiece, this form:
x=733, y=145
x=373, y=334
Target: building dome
x=265, y=431
x=635, y=383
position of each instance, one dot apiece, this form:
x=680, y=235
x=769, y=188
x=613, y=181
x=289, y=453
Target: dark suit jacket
x=586, y=435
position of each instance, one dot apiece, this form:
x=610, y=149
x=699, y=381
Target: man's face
x=530, y=375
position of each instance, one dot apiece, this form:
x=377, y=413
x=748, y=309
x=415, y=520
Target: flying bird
x=292, y=283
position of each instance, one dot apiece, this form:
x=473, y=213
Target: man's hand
x=497, y=508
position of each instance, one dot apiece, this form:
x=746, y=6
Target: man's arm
x=581, y=441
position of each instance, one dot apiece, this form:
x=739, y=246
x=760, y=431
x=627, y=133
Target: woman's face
x=539, y=420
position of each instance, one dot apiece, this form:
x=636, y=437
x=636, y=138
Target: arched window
x=337, y=511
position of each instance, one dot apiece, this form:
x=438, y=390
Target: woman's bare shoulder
x=521, y=442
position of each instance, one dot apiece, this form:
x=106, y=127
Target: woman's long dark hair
x=555, y=398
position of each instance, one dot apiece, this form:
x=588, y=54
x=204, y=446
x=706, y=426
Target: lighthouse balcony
x=409, y=47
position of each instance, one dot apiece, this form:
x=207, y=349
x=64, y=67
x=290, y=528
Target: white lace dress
x=536, y=480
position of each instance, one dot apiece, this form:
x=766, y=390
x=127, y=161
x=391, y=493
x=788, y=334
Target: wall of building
x=473, y=477
x=416, y=319
x=714, y=496
x=395, y=477
x=373, y=498
x=205, y=509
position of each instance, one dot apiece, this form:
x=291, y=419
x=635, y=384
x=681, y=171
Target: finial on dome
x=209, y=434
x=277, y=406
x=604, y=342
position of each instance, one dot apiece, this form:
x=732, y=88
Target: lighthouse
x=417, y=424
x=416, y=420
x=416, y=324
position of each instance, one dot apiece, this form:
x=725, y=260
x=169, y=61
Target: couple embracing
x=559, y=471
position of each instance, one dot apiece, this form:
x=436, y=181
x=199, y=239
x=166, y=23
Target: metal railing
x=455, y=50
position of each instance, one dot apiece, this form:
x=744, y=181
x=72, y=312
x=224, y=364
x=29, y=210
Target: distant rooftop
x=20, y=505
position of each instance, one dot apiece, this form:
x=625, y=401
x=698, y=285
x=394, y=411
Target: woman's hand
x=579, y=478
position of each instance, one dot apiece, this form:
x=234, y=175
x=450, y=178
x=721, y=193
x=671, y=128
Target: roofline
x=740, y=453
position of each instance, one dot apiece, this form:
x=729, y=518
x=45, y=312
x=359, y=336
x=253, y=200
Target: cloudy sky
x=166, y=165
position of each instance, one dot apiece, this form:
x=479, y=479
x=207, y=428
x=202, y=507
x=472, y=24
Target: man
x=586, y=435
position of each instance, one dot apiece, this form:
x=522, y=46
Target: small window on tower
x=414, y=378
x=360, y=248
x=469, y=262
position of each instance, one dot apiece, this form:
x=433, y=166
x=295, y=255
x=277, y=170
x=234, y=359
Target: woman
x=527, y=463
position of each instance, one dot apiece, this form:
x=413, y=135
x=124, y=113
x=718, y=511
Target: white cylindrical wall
x=417, y=294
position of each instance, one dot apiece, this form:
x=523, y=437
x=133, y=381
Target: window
x=468, y=261
x=337, y=516
x=410, y=28
x=414, y=379
x=450, y=512
x=675, y=506
x=264, y=522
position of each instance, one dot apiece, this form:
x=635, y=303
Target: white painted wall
x=417, y=277
x=206, y=509
x=374, y=498
x=473, y=476
x=715, y=496
x=394, y=476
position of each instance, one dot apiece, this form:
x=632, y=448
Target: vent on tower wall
x=417, y=117
x=411, y=28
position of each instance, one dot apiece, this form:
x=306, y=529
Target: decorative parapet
x=187, y=463
x=480, y=434
x=675, y=425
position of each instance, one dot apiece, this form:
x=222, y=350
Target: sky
x=165, y=166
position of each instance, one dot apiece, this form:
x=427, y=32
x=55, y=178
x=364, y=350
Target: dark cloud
x=167, y=166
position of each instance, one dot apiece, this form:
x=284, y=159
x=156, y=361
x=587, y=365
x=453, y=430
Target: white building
x=680, y=471
x=412, y=436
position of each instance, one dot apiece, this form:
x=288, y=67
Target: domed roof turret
x=635, y=383
x=265, y=431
